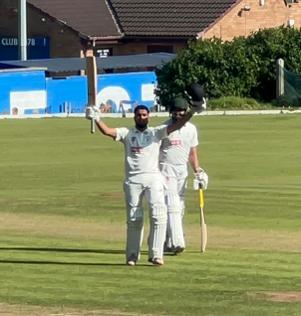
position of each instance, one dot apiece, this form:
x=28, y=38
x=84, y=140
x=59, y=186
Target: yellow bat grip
x=201, y=195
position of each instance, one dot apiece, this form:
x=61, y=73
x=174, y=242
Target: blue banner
x=30, y=92
x=37, y=48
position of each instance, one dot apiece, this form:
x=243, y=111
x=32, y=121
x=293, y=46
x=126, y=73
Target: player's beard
x=142, y=124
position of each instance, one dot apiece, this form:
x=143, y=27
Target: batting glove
x=201, y=178
x=92, y=113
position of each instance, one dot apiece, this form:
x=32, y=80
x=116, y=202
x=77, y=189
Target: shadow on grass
x=109, y=251
x=60, y=263
x=67, y=250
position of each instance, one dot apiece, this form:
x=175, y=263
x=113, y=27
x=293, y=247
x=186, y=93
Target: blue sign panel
x=30, y=92
x=37, y=48
x=122, y=92
x=22, y=92
x=117, y=93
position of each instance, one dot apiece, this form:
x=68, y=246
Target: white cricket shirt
x=176, y=147
x=141, y=149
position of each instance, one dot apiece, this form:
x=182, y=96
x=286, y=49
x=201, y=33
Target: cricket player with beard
x=142, y=179
x=179, y=148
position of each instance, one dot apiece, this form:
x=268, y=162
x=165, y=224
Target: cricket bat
x=202, y=221
x=91, y=71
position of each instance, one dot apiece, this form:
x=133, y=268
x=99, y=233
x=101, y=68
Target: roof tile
x=167, y=17
x=135, y=18
x=91, y=18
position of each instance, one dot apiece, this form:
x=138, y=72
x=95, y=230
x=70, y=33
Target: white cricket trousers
x=152, y=189
x=175, y=187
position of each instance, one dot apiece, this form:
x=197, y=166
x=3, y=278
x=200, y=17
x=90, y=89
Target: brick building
x=249, y=16
x=60, y=28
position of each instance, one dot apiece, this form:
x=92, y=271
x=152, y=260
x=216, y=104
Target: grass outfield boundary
x=63, y=223
x=157, y=114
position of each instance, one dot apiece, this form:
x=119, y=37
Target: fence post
x=279, y=78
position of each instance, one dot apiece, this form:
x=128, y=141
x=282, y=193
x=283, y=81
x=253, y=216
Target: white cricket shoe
x=156, y=261
x=131, y=261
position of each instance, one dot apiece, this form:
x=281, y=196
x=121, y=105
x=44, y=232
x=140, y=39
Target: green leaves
x=244, y=67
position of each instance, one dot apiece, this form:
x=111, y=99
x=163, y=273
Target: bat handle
x=201, y=197
x=92, y=126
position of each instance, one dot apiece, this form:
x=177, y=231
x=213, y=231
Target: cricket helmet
x=178, y=103
x=195, y=93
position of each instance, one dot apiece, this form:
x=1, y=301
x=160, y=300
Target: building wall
x=252, y=15
x=246, y=17
x=140, y=47
x=63, y=41
x=8, y=18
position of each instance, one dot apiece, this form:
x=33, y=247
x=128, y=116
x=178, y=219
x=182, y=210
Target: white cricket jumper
x=143, y=179
x=174, y=158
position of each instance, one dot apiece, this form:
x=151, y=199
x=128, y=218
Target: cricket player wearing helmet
x=142, y=180
x=179, y=148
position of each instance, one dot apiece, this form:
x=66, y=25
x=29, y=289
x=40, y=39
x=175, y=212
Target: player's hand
x=92, y=113
x=202, y=178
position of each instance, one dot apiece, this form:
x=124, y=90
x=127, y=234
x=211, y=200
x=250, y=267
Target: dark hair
x=141, y=107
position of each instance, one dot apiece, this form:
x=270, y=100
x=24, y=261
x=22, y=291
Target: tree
x=244, y=67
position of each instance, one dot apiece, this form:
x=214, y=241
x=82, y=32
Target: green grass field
x=62, y=223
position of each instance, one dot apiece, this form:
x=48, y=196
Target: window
x=104, y=52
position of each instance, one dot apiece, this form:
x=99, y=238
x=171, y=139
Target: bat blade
x=91, y=70
x=202, y=222
x=203, y=234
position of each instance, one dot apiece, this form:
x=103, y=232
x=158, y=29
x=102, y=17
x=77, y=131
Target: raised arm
x=93, y=113
x=177, y=125
x=105, y=129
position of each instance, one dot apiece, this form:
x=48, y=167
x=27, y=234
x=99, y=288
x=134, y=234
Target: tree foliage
x=244, y=67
